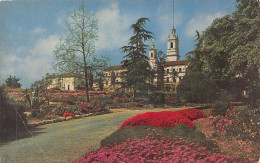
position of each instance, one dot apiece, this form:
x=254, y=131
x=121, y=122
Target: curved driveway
x=65, y=141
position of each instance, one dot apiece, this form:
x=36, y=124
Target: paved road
x=64, y=141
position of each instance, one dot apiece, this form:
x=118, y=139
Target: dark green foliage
x=228, y=51
x=138, y=71
x=12, y=118
x=44, y=82
x=141, y=132
x=196, y=87
x=113, y=78
x=157, y=97
x=13, y=82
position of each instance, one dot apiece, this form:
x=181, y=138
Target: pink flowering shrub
x=158, y=150
x=94, y=106
x=221, y=129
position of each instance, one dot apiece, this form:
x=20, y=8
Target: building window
x=68, y=87
x=167, y=70
x=179, y=69
x=171, y=44
x=151, y=54
x=106, y=74
x=174, y=80
x=116, y=81
x=106, y=82
x=173, y=69
x=168, y=79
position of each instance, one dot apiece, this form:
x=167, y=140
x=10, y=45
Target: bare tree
x=76, y=51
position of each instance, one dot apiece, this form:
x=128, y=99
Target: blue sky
x=30, y=29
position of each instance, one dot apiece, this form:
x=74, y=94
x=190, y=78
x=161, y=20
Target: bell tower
x=173, y=46
x=173, y=42
x=152, y=56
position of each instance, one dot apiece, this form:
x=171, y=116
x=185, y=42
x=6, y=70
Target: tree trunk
x=253, y=87
x=134, y=94
x=86, y=85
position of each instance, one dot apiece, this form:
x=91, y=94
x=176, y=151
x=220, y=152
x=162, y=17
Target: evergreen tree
x=138, y=71
x=13, y=82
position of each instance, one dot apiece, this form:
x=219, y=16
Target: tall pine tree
x=138, y=71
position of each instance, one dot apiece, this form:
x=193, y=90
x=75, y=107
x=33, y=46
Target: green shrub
x=141, y=132
x=12, y=118
x=222, y=104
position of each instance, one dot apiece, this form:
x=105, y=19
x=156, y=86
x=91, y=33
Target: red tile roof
x=175, y=63
x=117, y=67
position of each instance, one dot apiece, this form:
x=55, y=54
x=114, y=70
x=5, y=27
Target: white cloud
x=201, y=22
x=114, y=26
x=38, y=61
x=38, y=30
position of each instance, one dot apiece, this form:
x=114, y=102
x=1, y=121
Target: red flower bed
x=157, y=119
x=192, y=114
x=165, y=118
x=68, y=115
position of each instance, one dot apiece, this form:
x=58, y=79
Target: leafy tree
x=194, y=57
x=13, y=82
x=39, y=88
x=245, y=48
x=100, y=80
x=160, y=58
x=228, y=50
x=113, y=78
x=138, y=71
x=196, y=87
x=44, y=82
x=76, y=51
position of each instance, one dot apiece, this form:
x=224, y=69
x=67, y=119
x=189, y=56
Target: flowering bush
x=151, y=149
x=224, y=131
x=192, y=114
x=165, y=118
x=94, y=106
x=68, y=115
x=157, y=119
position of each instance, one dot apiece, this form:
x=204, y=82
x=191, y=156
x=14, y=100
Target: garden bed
x=37, y=122
x=211, y=139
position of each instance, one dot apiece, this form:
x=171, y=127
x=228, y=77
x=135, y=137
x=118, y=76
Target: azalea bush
x=232, y=133
x=68, y=115
x=164, y=149
x=164, y=118
x=92, y=107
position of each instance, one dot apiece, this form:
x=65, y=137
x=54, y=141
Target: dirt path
x=65, y=141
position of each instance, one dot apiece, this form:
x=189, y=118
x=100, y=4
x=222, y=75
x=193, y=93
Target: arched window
x=151, y=54
x=171, y=44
